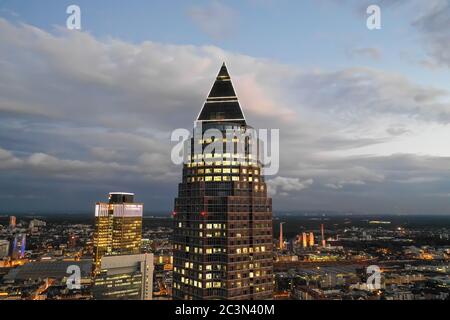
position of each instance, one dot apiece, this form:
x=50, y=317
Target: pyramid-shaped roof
x=222, y=103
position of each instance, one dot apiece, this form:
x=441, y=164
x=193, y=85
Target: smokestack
x=281, y=236
x=323, y=236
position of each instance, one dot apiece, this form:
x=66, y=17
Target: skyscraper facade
x=223, y=217
x=118, y=227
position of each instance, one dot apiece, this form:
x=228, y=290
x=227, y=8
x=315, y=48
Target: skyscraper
x=223, y=217
x=118, y=227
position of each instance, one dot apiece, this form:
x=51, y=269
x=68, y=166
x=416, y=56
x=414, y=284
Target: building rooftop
x=41, y=270
x=222, y=103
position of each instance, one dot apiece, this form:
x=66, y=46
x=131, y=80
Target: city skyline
x=364, y=113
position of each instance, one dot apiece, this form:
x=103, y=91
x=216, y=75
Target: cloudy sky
x=364, y=115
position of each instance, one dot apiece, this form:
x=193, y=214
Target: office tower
x=19, y=243
x=281, y=236
x=311, y=239
x=12, y=222
x=323, y=235
x=223, y=217
x=124, y=277
x=4, y=248
x=118, y=227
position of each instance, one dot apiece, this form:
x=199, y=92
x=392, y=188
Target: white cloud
x=215, y=19
x=286, y=185
x=366, y=52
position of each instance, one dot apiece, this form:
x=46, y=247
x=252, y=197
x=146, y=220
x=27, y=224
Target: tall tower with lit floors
x=223, y=218
x=120, y=271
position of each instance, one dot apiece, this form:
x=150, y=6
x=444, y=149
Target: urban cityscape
x=218, y=241
x=246, y=152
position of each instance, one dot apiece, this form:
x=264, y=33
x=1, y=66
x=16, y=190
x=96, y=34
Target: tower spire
x=222, y=103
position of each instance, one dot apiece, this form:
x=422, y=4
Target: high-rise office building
x=223, y=217
x=118, y=227
x=124, y=277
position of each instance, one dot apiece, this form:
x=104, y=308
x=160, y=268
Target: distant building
x=35, y=223
x=19, y=244
x=12, y=222
x=118, y=227
x=124, y=277
x=4, y=248
x=72, y=241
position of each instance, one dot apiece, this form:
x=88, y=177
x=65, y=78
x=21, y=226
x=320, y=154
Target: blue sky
x=305, y=33
x=366, y=112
